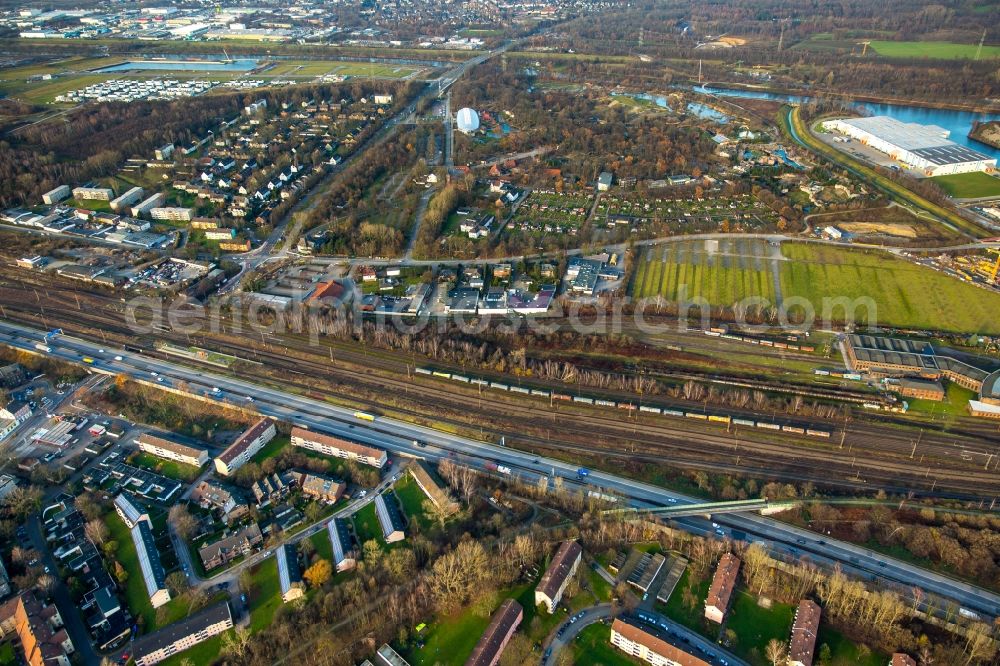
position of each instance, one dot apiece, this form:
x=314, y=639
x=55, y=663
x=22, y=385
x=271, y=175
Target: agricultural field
x=721, y=272
x=936, y=50
x=969, y=185
x=904, y=294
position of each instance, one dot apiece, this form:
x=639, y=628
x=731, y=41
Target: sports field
x=722, y=272
x=937, y=50
x=904, y=294
x=295, y=68
x=969, y=185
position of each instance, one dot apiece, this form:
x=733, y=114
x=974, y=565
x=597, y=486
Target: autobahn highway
x=784, y=541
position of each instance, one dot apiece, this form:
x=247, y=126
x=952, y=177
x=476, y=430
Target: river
x=957, y=122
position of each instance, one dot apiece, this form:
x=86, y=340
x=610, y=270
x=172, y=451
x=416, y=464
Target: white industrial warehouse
x=922, y=147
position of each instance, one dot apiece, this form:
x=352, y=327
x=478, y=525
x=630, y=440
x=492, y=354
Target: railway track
x=632, y=439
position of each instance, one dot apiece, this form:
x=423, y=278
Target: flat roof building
x=390, y=518
x=246, y=445
x=330, y=445
x=561, y=569
x=149, y=562
x=721, y=590
x=650, y=644
x=164, y=448
x=922, y=147
x=502, y=626
x=289, y=573
x=131, y=196
x=92, y=194
x=343, y=544
x=802, y=645
x=129, y=510
x=56, y=195
x=386, y=656
x=179, y=636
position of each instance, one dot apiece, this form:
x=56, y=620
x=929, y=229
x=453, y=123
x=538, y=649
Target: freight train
x=791, y=429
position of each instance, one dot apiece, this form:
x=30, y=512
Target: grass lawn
x=265, y=594
x=969, y=185
x=272, y=448
x=938, y=50
x=844, y=652
x=366, y=525
x=7, y=654
x=692, y=618
x=321, y=541
x=955, y=404
x=412, y=498
x=755, y=626
x=168, y=468
x=205, y=652
x=450, y=640
x=903, y=294
x=135, y=587
x=592, y=647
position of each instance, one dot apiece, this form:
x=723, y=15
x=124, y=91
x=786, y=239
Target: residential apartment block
x=336, y=447
x=245, y=446
x=561, y=569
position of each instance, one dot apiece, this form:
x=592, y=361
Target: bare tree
x=96, y=531
x=775, y=651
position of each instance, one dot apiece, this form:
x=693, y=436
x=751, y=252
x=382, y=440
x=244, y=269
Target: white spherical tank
x=467, y=120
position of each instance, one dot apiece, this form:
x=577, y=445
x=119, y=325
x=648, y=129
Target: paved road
x=687, y=640
x=783, y=540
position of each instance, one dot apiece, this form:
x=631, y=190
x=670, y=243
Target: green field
x=755, y=626
x=297, y=68
x=936, y=50
x=169, y=468
x=272, y=448
x=592, y=647
x=265, y=595
x=321, y=541
x=412, y=498
x=135, y=588
x=969, y=185
x=366, y=525
x=688, y=270
x=844, y=652
x=904, y=294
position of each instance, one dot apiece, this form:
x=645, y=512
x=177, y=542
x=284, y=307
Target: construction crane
x=996, y=266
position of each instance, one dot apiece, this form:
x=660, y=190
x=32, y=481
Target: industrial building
x=249, y=443
x=149, y=562
x=390, y=518
x=179, y=636
x=561, y=569
x=898, y=357
x=329, y=445
x=289, y=573
x=723, y=584
x=502, y=626
x=650, y=644
x=925, y=148
x=163, y=448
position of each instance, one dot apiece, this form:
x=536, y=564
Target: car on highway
x=118, y=358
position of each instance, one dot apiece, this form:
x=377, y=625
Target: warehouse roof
x=927, y=141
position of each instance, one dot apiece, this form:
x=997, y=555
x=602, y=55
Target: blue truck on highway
x=583, y=471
